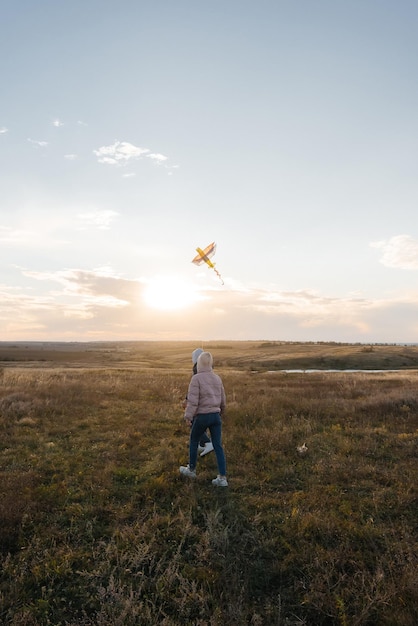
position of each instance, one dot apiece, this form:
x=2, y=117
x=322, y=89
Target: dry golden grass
x=98, y=527
x=242, y=355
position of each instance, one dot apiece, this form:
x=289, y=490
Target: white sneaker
x=186, y=471
x=200, y=448
x=220, y=481
x=208, y=448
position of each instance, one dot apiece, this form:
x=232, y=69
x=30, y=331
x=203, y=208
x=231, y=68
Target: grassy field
x=98, y=528
x=241, y=355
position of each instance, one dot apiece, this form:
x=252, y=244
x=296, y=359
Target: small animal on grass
x=302, y=450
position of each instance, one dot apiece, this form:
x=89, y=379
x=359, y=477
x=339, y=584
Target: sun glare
x=169, y=293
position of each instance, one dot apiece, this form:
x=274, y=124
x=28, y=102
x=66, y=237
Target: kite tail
x=218, y=274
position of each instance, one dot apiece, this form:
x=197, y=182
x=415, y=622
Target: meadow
x=98, y=528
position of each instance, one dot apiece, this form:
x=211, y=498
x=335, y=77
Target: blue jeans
x=200, y=423
x=204, y=439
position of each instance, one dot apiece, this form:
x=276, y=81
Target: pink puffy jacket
x=206, y=394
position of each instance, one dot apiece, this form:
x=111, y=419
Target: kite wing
x=204, y=256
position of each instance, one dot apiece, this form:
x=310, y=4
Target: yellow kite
x=205, y=255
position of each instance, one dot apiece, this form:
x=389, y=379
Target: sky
x=133, y=132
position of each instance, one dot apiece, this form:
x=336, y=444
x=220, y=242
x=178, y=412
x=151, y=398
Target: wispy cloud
x=48, y=230
x=3, y=130
x=157, y=157
x=119, y=153
x=71, y=157
x=13, y=235
x=170, y=169
x=399, y=252
x=23, y=314
x=57, y=123
x=41, y=144
x=101, y=286
x=98, y=219
x=313, y=309
x=123, y=152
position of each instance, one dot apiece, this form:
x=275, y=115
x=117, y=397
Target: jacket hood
x=204, y=362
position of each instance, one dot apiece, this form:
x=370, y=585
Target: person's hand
x=188, y=421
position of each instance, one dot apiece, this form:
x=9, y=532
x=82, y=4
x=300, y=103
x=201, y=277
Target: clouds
x=46, y=230
x=71, y=304
x=98, y=219
x=399, y=252
x=12, y=235
x=39, y=144
x=119, y=153
x=76, y=304
x=100, y=286
x=122, y=152
x=302, y=309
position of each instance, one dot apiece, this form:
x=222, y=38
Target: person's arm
x=192, y=400
x=223, y=400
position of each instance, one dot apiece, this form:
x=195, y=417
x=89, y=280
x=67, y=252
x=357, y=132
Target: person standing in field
x=206, y=401
x=205, y=444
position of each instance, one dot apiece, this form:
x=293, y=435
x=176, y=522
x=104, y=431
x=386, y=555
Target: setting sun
x=169, y=293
